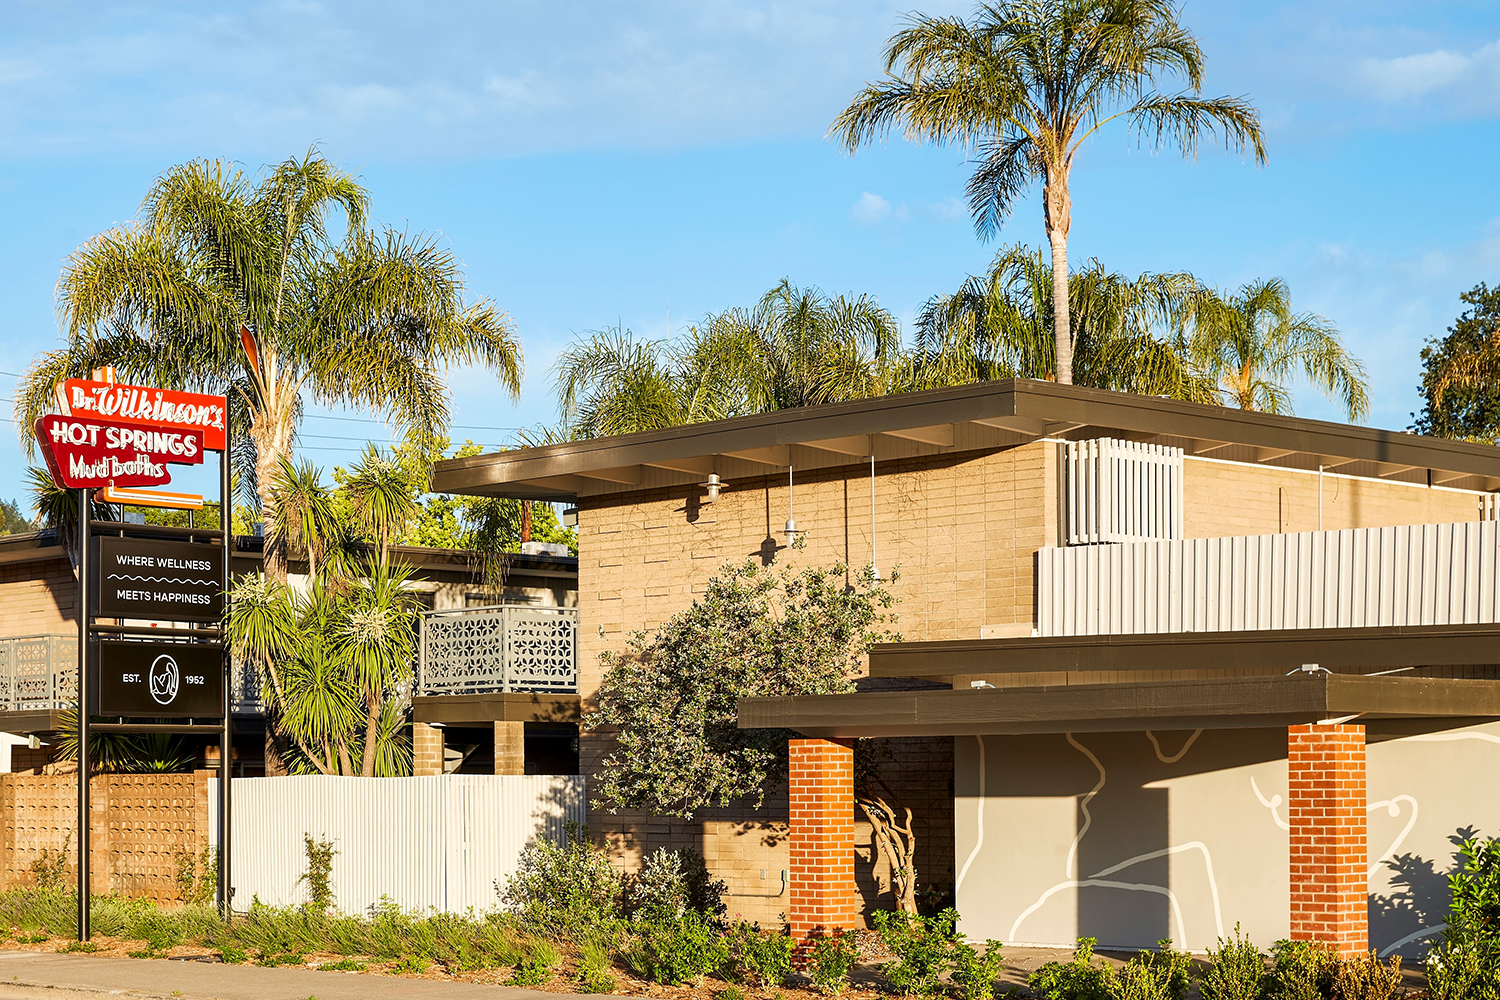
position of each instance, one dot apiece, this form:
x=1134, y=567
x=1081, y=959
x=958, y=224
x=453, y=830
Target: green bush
x=923, y=948
x=535, y=967
x=413, y=964
x=673, y=952
x=564, y=890
x=343, y=965
x=761, y=959
x=1237, y=971
x=1456, y=972
x=673, y=882
x=975, y=971
x=318, y=875
x=1079, y=979
x=1365, y=977
x=595, y=972
x=1304, y=971
x=1153, y=975
x=831, y=959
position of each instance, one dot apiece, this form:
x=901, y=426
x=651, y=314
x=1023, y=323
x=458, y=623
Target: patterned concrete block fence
x=140, y=824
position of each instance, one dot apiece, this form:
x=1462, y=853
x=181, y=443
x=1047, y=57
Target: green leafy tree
x=1000, y=325
x=1025, y=83
x=1251, y=343
x=12, y=520
x=670, y=698
x=305, y=512
x=350, y=316
x=795, y=347
x=1461, y=373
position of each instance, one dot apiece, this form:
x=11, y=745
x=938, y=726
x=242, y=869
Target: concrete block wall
x=140, y=825
x=38, y=597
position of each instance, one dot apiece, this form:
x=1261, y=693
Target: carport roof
x=984, y=416
x=1218, y=703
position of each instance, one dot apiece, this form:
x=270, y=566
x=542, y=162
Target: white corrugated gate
x=424, y=843
x=1423, y=574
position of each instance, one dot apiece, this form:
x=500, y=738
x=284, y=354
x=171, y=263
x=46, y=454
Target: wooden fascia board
x=480, y=709
x=1334, y=649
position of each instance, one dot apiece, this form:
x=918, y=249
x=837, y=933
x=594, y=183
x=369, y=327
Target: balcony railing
x=38, y=673
x=1418, y=574
x=499, y=649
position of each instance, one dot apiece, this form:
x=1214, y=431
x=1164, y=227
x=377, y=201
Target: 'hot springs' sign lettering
x=162, y=581
x=85, y=453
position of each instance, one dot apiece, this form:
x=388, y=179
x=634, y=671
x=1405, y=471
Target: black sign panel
x=165, y=581
x=159, y=680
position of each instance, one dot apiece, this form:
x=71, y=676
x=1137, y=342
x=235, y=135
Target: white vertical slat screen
x=430, y=843
x=1121, y=491
x=1421, y=574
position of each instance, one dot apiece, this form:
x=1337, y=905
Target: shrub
x=595, y=973
x=1237, y=971
x=1152, y=975
x=672, y=882
x=1455, y=972
x=831, y=959
x=1304, y=971
x=673, y=952
x=1366, y=978
x=50, y=868
x=923, y=948
x=319, y=873
x=1079, y=979
x=975, y=971
x=564, y=889
x=414, y=964
x=197, y=876
x=342, y=965
x=87, y=947
x=730, y=993
x=763, y=959
x=536, y=967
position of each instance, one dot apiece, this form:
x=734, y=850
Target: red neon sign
x=86, y=453
x=146, y=407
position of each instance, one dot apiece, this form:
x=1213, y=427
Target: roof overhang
x=1219, y=703
x=984, y=416
x=483, y=709
x=1351, y=649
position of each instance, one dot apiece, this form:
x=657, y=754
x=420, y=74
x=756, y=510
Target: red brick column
x=1330, y=856
x=821, y=792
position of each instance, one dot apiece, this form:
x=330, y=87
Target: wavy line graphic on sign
x=161, y=579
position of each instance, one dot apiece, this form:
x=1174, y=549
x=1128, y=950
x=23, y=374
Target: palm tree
x=1026, y=83
x=1000, y=325
x=795, y=347
x=378, y=636
x=382, y=496
x=305, y=511
x=368, y=319
x=1251, y=342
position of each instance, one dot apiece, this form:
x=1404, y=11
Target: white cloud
x=1465, y=79
x=870, y=208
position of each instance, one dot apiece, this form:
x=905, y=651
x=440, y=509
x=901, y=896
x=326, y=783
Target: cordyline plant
x=669, y=699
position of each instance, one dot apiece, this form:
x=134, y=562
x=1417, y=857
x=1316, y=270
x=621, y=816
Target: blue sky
x=645, y=163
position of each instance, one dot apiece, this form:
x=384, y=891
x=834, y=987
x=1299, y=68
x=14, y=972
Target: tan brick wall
x=38, y=597
x=961, y=530
x=427, y=750
x=821, y=786
x=510, y=747
x=1222, y=499
x=1326, y=809
x=139, y=824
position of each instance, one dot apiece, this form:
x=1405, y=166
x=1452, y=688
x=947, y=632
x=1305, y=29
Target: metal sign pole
x=226, y=739
x=83, y=715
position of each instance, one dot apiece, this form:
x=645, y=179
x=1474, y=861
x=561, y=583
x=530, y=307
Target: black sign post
x=128, y=670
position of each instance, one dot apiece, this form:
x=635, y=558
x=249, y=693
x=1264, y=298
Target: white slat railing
x=1422, y=574
x=1122, y=491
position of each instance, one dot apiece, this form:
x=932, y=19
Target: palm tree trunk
x=372, y=731
x=270, y=444
x=1059, y=217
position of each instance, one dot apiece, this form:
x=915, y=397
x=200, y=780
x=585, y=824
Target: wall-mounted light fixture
x=570, y=517
x=791, y=531
x=713, y=484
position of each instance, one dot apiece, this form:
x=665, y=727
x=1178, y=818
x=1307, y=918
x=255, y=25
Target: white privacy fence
x=1117, y=491
x=1423, y=574
x=424, y=843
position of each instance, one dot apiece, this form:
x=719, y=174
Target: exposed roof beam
x=938, y=434
x=1387, y=471
x=629, y=475
x=691, y=466
x=776, y=454
x=1205, y=447
x=1272, y=454
x=1017, y=425
x=855, y=444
